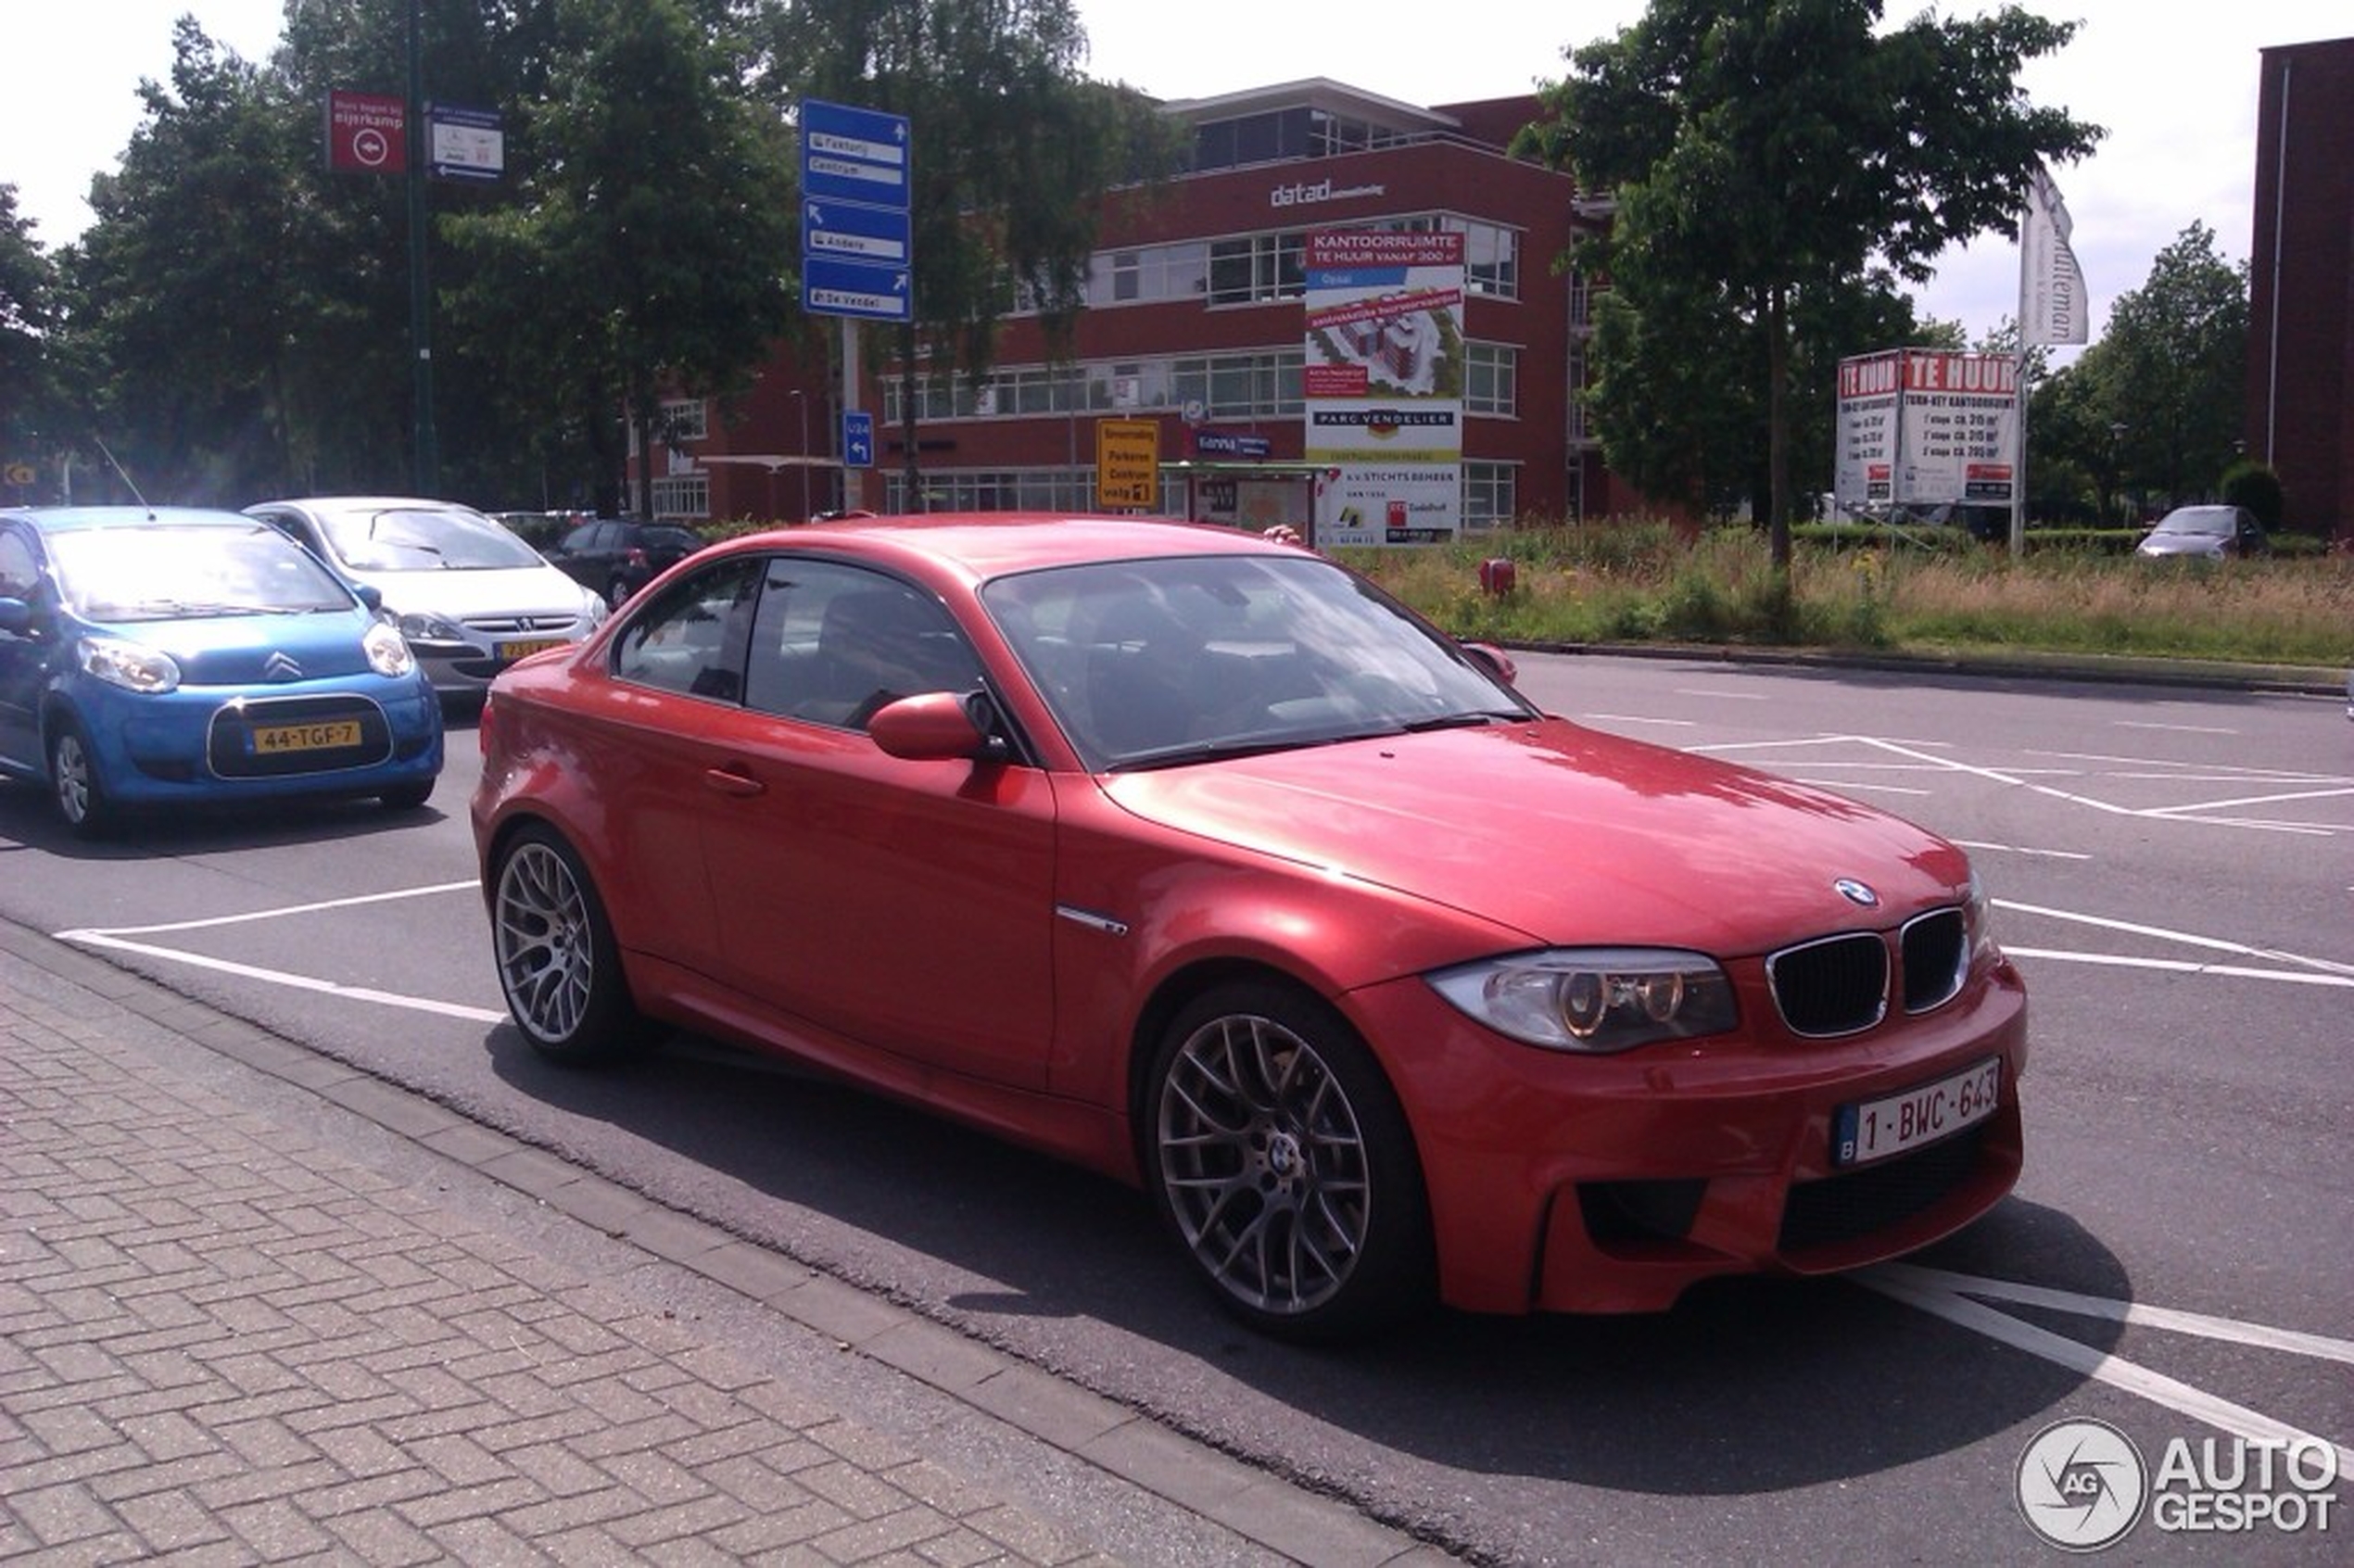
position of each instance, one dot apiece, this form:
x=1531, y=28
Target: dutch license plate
x=1872, y=1129
x=507, y=652
x=269, y=739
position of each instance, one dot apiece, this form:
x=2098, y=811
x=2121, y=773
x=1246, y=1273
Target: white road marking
x=1950, y=1296
x=1724, y=696
x=2021, y=849
x=1639, y=718
x=1854, y=786
x=120, y=939
x=2176, y=729
x=2188, y=939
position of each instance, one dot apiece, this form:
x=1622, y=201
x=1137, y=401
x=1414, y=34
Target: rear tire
x=1279, y=1155
x=559, y=965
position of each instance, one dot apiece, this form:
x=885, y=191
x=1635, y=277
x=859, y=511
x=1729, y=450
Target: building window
x=993, y=489
x=682, y=495
x=1257, y=269
x=1491, y=377
x=682, y=419
x=1489, y=495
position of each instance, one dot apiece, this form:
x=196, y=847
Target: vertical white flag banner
x=2052, y=304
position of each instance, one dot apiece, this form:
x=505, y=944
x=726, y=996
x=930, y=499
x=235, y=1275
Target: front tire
x=1281, y=1157
x=559, y=965
x=75, y=786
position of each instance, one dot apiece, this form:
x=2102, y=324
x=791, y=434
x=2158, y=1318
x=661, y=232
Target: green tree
x=2174, y=357
x=1761, y=151
x=1013, y=152
x=27, y=316
x=177, y=296
x=651, y=244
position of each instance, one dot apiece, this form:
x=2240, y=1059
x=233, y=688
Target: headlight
x=594, y=605
x=1593, y=999
x=1977, y=911
x=388, y=654
x=422, y=627
x=131, y=665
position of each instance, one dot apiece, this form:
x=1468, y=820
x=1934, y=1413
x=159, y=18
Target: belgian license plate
x=1872, y=1129
x=507, y=652
x=270, y=739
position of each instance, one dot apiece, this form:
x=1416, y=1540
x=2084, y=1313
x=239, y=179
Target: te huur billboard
x=1925, y=428
x=1383, y=380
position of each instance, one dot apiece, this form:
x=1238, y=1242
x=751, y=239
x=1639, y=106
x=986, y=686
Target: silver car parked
x=470, y=597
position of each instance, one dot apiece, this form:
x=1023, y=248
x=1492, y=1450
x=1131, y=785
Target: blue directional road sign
x=857, y=438
x=854, y=154
x=854, y=231
x=855, y=234
x=829, y=287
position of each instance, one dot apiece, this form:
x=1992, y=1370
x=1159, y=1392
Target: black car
x=617, y=557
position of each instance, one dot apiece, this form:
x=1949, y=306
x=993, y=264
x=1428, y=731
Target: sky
x=2175, y=88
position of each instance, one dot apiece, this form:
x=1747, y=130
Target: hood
x=497, y=590
x=2181, y=544
x=238, y=649
x=1566, y=834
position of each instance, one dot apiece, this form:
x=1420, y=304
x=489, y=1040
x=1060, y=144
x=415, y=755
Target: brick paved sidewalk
x=221, y=1341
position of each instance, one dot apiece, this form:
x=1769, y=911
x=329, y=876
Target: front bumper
x=196, y=744
x=1563, y=1183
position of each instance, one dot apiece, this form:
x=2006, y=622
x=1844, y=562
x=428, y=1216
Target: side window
x=692, y=639
x=20, y=570
x=581, y=538
x=833, y=643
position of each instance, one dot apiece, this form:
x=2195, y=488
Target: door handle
x=728, y=781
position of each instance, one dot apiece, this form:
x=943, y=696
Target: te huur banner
x=1925, y=428
x=1383, y=384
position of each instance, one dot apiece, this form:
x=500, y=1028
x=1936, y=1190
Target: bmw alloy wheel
x=1286, y=1167
x=557, y=962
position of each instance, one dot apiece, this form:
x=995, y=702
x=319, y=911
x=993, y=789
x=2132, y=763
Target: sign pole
x=427, y=459
x=854, y=480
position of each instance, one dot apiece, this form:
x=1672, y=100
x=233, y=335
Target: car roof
x=76, y=519
x=979, y=546
x=370, y=503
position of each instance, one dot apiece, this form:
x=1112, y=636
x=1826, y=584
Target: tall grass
x=1620, y=582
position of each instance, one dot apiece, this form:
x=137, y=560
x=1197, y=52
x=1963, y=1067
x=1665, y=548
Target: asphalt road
x=2171, y=869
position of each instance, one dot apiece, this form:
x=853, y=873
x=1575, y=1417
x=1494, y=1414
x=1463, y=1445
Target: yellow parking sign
x=1127, y=463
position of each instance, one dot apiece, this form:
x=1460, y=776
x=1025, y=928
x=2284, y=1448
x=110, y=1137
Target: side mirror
x=937, y=727
x=16, y=617
x=1493, y=660
x=371, y=597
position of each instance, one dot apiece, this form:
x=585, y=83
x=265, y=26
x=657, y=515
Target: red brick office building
x=2300, y=361
x=1195, y=322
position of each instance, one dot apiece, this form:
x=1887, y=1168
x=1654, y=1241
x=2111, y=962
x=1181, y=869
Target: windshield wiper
x=1480, y=719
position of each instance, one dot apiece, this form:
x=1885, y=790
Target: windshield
x=168, y=574
x=416, y=539
x=2215, y=519
x=1183, y=659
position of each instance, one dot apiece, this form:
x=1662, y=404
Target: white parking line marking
x=280, y=977
x=2177, y=965
x=1723, y=695
x=274, y=914
x=1950, y=1296
x=2021, y=849
x=118, y=938
x=2188, y=939
x=1854, y=786
x=2174, y=728
x=1639, y=718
